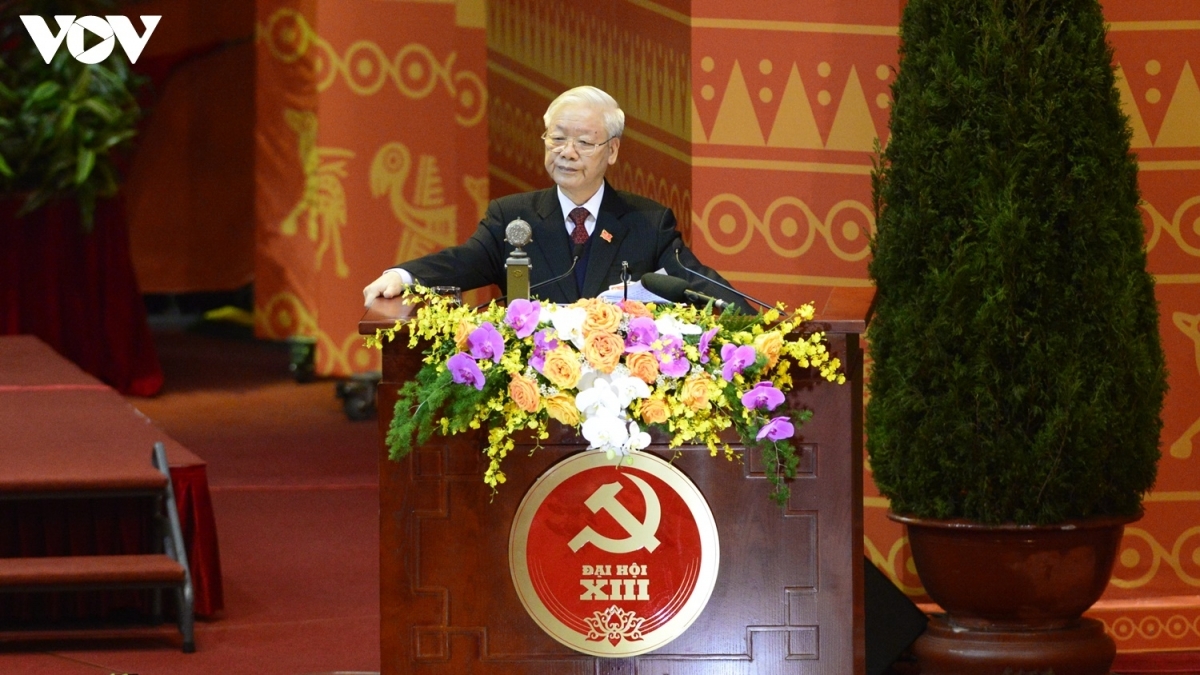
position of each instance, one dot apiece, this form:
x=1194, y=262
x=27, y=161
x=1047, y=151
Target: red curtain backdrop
x=190, y=186
x=77, y=292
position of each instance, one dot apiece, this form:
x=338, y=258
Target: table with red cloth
x=60, y=429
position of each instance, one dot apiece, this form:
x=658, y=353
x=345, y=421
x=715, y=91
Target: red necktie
x=580, y=234
x=579, y=237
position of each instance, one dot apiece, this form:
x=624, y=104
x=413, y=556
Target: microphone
x=518, y=233
x=676, y=290
x=679, y=264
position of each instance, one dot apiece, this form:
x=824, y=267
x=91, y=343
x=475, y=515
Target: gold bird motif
x=322, y=205
x=429, y=223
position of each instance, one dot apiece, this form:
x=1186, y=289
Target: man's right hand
x=388, y=285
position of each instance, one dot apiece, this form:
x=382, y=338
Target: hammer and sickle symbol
x=641, y=535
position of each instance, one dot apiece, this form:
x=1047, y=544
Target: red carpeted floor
x=295, y=494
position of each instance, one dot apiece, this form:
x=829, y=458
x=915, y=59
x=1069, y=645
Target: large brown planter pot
x=1014, y=595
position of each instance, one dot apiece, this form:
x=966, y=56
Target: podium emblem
x=614, y=560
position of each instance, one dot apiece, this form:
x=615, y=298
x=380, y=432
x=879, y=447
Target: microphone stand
x=725, y=286
x=517, y=267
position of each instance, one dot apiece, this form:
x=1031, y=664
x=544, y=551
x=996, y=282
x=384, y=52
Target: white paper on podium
x=637, y=291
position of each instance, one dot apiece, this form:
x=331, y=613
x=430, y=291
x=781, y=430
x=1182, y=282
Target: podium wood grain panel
x=788, y=598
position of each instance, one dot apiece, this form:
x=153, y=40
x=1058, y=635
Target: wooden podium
x=789, y=594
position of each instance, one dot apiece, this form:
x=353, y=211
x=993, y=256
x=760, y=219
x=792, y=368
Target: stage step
x=133, y=571
x=98, y=571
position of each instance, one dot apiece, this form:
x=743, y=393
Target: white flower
x=568, y=323
x=588, y=376
x=669, y=324
x=607, y=433
x=638, y=439
x=598, y=400
x=628, y=389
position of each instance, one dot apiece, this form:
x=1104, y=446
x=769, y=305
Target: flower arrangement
x=612, y=371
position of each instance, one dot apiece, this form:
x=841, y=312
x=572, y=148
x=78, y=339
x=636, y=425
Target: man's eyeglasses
x=555, y=143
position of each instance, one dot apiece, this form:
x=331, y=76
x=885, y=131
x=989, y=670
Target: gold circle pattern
x=895, y=564
x=284, y=316
x=1176, y=627
x=415, y=70
x=1178, y=558
x=1173, y=227
x=786, y=209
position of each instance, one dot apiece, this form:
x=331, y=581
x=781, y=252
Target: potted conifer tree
x=1018, y=374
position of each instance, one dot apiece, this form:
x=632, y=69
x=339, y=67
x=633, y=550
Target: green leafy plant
x=1018, y=373
x=63, y=123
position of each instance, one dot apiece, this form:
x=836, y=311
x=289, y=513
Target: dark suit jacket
x=644, y=234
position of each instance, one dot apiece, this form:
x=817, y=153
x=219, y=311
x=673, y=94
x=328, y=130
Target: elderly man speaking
x=583, y=217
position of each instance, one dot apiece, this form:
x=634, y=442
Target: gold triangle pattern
x=737, y=123
x=1181, y=126
x=795, y=126
x=651, y=81
x=1141, y=137
x=853, y=128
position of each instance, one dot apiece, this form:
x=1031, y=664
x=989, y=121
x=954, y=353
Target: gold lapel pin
x=606, y=235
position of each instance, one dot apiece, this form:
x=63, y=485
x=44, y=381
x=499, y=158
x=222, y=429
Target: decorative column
x=370, y=150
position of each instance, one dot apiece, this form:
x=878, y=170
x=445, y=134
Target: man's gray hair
x=614, y=117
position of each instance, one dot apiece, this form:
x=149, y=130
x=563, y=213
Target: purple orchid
x=464, y=370
x=705, y=341
x=671, y=360
x=544, y=342
x=763, y=395
x=777, y=429
x=641, y=336
x=486, y=342
x=522, y=316
x=736, y=359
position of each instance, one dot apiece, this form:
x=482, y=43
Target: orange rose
x=636, y=308
x=562, y=408
x=643, y=365
x=694, y=392
x=562, y=367
x=461, y=332
x=603, y=350
x=601, y=317
x=654, y=411
x=769, y=345
x=524, y=393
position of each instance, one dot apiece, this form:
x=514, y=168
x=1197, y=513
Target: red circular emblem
x=614, y=559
